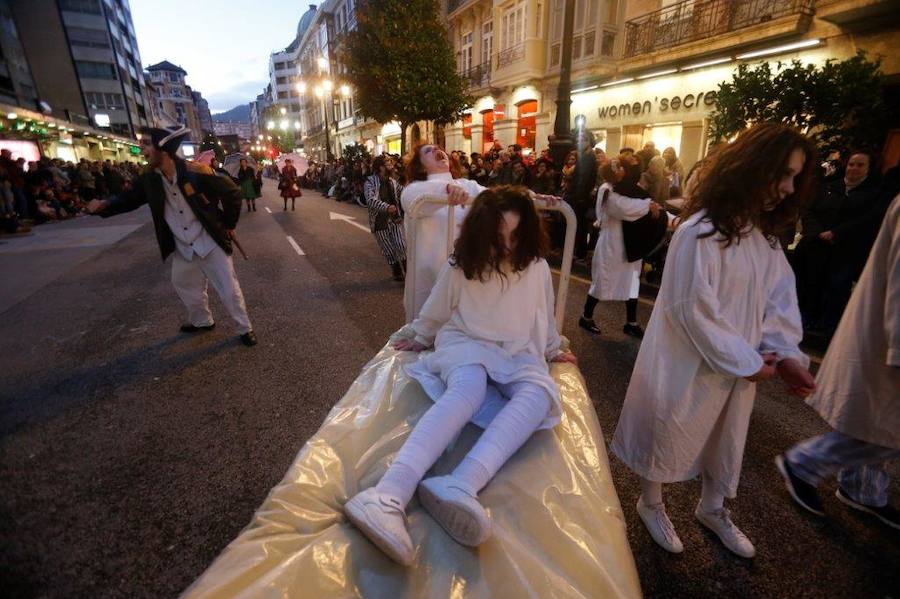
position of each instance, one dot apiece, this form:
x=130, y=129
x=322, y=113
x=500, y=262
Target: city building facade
x=201, y=107
x=174, y=97
x=642, y=70
x=84, y=61
x=16, y=83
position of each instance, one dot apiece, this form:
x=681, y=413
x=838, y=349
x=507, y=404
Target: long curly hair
x=738, y=179
x=480, y=250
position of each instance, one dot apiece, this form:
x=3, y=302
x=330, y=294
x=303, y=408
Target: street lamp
x=270, y=125
x=284, y=125
x=301, y=88
x=345, y=91
x=328, y=85
x=283, y=111
x=323, y=63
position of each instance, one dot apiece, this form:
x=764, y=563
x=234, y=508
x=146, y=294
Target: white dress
x=688, y=404
x=507, y=326
x=613, y=278
x=431, y=233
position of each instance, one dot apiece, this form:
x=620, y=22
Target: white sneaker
x=382, y=519
x=659, y=526
x=719, y=521
x=456, y=510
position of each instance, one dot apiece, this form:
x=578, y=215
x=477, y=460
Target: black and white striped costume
x=388, y=231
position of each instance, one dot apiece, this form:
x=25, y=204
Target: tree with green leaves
x=283, y=140
x=355, y=152
x=840, y=104
x=401, y=64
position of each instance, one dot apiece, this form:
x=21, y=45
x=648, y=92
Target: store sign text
x=674, y=103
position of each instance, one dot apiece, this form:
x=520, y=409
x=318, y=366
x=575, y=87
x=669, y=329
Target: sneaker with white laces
x=382, y=519
x=456, y=509
x=719, y=521
x=659, y=526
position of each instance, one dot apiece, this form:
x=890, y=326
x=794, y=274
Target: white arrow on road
x=347, y=219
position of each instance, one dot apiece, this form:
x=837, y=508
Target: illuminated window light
x=780, y=49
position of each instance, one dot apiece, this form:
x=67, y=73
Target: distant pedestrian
x=289, y=184
x=246, y=179
x=382, y=193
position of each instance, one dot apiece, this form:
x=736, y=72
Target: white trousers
x=190, y=279
x=510, y=429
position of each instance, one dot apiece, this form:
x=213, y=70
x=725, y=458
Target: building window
x=89, y=38
x=466, y=54
x=174, y=77
x=526, y=127
x=467, y=126
x=95, y=70
x=487, y=41
x=105, y=100
x=584, y=33
x=608, y=44
x=513, y=26
x=282, y=95
x=487, y=131
x=86, y=6
x=281, y=80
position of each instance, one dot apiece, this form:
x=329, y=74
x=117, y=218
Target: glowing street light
x=318, y=91
x=328, y=85
x=270, y=125
x=345, y=90
x=297, y=125
x=301, y=87
x=283, y=110
x=323, y=63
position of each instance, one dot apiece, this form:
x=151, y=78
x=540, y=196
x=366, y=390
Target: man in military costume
x=194, y=213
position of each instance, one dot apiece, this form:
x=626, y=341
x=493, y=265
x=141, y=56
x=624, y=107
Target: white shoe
x=456, y=510
x=719, y=521
x=659, y=526
x=382, y=519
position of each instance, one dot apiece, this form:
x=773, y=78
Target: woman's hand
x=654, y=209
x=566, y=356
x=827, y=236
x=96, y=206
x=767, y=371
x=548, y=199
x=456, y=195
x=408, y=345
x=392, y=209
x=798, y=379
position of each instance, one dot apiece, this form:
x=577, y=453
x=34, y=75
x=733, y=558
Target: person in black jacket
x=838, y=231
x=194, y=213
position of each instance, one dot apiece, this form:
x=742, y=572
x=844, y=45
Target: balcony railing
x=510, y=56
x=478, y=76
x=693, y=20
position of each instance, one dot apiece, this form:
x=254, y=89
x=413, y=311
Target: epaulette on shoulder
x=196, y=167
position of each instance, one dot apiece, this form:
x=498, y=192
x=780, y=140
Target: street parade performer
x=491, y=319
x=194, y=213
x=428, y=174
x=725, y=318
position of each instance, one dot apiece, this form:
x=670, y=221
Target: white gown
x=613, y=278
x=471, y=322
x=688, y=406
x=431, y=233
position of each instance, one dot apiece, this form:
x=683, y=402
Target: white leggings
x=466, y=389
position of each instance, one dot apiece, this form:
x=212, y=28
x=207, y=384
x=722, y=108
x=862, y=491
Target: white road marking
x=295, y=246
x=267, y=210
x=347, y=219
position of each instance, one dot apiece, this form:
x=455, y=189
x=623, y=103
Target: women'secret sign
x=662, y=105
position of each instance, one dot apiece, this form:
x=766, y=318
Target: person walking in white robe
x=613, y=277
x=726, y=317
x=428, y=174
x=858, y=393
x=491, y=319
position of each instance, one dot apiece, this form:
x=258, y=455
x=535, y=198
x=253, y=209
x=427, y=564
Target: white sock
x=651, y=492
x=711, y=499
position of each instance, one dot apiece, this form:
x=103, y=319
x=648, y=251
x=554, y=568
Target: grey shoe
x=659, y=526
x=719, y=521
x=456, y=510
x=382, y=519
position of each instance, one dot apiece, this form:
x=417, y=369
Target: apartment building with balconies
x=174, y=97
x=642, y=70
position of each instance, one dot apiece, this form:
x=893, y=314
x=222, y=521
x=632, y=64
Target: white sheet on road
x=558, y=526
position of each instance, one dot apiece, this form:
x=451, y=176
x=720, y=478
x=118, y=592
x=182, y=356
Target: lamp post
x=324, y=87
x=561, y=143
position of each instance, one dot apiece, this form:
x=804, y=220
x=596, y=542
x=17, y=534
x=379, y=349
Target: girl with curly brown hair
x=726, y=317
x=490, y=318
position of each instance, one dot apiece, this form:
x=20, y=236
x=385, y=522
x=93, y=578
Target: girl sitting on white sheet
x=725, y=316
x=490, y=316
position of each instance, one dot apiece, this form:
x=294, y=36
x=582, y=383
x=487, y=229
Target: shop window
x=526, y=127
x=95, y=70
x=487, y=135
x=467, y=126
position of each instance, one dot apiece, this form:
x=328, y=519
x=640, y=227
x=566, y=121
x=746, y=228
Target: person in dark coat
x=195, y=213
x=838, y=231
x=289, y=184
x=581, y=196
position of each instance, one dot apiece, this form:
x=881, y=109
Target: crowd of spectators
x=51, y=190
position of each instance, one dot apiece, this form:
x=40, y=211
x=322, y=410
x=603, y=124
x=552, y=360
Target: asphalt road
x=130, y=455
